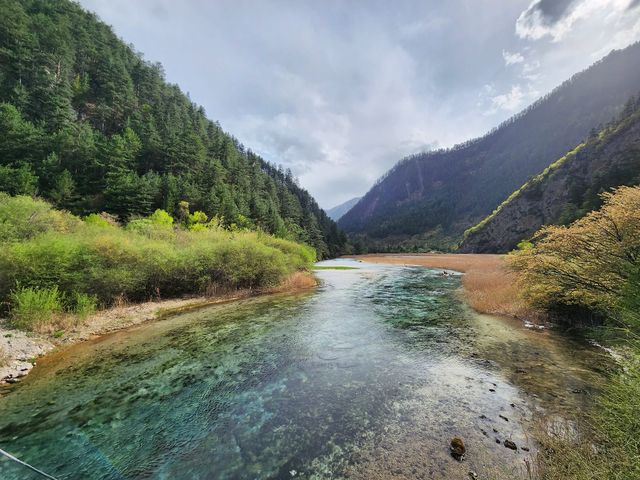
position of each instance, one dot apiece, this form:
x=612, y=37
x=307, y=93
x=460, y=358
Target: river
x=368, y=376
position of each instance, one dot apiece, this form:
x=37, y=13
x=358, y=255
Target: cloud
x=556, y=18
x=340, y=91
x=510, y=102
x=512, y=58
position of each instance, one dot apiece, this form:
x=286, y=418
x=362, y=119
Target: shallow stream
x=369, y=376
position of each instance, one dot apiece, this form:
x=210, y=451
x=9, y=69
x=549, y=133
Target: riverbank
x=488, y=285
x=19, y=350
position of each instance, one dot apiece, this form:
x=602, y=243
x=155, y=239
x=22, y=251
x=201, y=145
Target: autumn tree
x=592, y=264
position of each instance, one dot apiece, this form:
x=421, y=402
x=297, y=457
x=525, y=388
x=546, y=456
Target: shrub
x=33, y=308
x=158, y=225
x=97, y=262
x=22, y=218
x=161, y=218
x=103, y=220
x=588, y=264
x=83, y=304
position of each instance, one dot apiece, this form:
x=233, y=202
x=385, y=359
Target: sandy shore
x=488, y=285
x=19, y=350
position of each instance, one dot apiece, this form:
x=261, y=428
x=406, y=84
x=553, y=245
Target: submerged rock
x=511, y=445
x=457, y=448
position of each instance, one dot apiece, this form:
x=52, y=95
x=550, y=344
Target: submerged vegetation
x=54, y=264
x=590, y=270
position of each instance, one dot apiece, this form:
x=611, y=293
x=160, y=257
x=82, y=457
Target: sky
x=340, y=90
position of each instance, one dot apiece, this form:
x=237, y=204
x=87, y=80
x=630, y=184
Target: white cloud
x=516, y=98
x=509, y=101
x=512, y=58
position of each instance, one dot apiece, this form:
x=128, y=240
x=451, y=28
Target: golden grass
x=488, y=284
x=297, y=281
x=4, y=357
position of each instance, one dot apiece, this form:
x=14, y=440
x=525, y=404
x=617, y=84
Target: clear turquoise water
x=368, y=377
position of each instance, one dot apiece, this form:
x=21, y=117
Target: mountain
x=567, y=189
x=428, y=200
x=89, y=125
x=339, y=210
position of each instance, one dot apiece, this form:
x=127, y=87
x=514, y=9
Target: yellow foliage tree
x=587, y=264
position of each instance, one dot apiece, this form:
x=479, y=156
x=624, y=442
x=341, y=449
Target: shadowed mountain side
x=338, y=211
x=429, y=199
x=566, y=190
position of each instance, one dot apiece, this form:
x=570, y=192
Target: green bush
x=32, y=308
x=103, y=220
x=83, y=304
x=98, y=262
x=23, y=217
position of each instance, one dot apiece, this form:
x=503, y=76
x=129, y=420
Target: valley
x=177, y=301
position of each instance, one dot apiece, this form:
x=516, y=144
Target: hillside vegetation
x=589, y=266
x=90, y=126
x=56, y=267
x=429, y=200
x=567, y=189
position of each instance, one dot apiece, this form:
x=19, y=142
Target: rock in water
x=510, y=444
x=457, y=448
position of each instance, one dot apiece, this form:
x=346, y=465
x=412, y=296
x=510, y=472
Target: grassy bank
x=56, y=269
x=608, y=446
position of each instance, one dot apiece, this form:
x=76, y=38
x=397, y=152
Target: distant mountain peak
x=338, y=211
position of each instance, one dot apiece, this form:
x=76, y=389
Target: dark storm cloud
x=550, y=11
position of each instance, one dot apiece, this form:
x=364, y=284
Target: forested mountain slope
x=86, y=123
x=568, y=189
x=429, y=199
x=339, y=210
